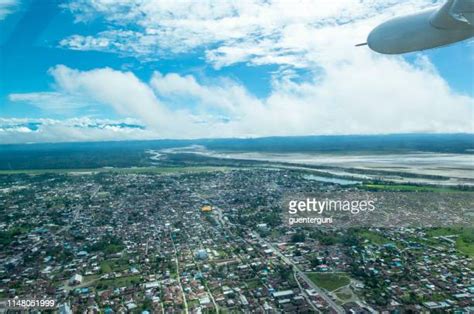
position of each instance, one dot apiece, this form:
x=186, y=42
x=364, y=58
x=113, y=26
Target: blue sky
x=88, y=70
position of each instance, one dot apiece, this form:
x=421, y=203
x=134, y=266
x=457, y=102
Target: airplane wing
x=454, y=13
x=452, y=22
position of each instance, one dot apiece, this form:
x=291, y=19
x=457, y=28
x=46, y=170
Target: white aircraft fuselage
x=452, y=22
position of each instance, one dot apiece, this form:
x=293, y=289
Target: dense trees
x=298, y=237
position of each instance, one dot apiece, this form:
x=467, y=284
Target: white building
x=75, y=280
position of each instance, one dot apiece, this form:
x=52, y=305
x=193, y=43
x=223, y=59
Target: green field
x=329, y=281
x=157, y=170
x=464, y=241
x=373, y=237
x=408, y=188
x=114, y=265
x=118, y=282
x=343, y=296
x=105, y=267
x=254, y=283
x=436, y=232
x=465, y=247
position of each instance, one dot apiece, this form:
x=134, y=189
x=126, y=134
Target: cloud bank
x=351, y=98
x=14, y=130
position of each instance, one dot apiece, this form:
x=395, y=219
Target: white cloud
x=226, y=97
x=123, y=91
x=7, y=7
x=52, y=102
x=16, y=130
x=369, y=96
x=383, y=95
x=257, y=32
x=409, y=98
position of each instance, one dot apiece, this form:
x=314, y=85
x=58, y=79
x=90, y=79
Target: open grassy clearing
x=373, y=237
x=409, y=188
x=464, y=240
x=329, y=281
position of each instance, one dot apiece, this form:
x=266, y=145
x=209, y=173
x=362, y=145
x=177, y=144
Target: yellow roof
x=206, y=208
